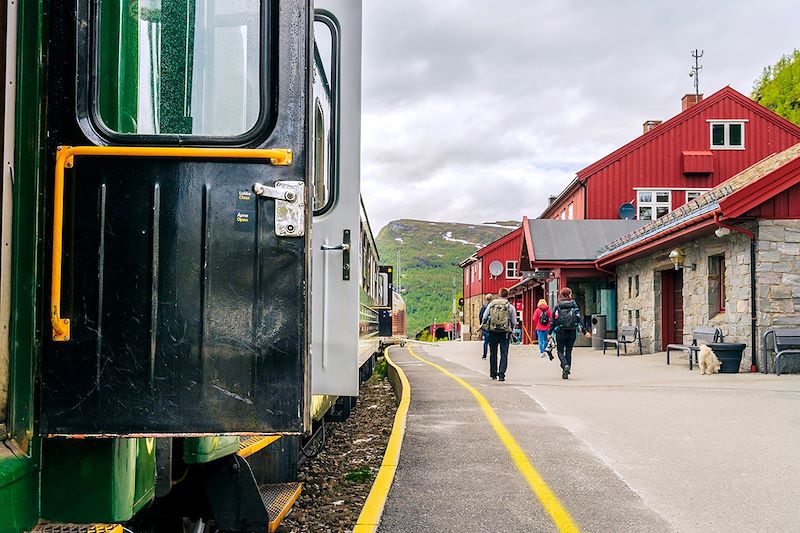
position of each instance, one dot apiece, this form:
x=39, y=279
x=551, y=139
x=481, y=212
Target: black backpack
x=543, y=318
x=567, y=317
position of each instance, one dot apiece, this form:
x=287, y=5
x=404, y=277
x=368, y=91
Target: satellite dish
x=495, y=268
x=627, y=212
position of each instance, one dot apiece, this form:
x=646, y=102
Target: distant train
x=189, y=285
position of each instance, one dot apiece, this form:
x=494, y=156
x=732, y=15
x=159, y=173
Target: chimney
x=689, y=100
x=551, y=199
x=650, y=125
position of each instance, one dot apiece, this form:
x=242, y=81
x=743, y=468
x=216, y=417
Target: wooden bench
x=700, y=335
x=627, y=335
x=784, y=342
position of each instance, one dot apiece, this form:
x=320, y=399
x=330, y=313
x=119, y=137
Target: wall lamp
x=678, y=258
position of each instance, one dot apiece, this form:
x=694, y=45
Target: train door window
x=326, y=50
x=180, y=67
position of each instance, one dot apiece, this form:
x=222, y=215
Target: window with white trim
x=727, y=134
x=570, y=211
x=472, y=274
x=511, y=270
x=693, y=195
x=563, y=215
x=653, y=204
x=479, y=268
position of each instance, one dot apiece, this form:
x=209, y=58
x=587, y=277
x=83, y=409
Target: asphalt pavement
x=626, y=444
x=455, y=474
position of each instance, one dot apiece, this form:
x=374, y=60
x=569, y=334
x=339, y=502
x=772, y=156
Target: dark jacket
x=481, y=312
x=555, y=323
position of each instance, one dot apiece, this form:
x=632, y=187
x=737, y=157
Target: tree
x=778, y=88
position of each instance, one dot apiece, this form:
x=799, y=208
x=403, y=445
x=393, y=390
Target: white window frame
x=479, y=268
x=564, y=215
x=652, y=204
x=514, y=270
x=570, y=211
x=726, y=124
x=697, y=192
x=472, y=273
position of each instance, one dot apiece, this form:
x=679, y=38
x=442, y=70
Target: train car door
x=336, y=175
x=178, y=242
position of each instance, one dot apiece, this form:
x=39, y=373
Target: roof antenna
x=695, y=73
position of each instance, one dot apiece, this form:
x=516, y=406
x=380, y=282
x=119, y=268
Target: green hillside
x=429, y=257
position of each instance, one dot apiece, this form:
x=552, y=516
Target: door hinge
x=290, y=206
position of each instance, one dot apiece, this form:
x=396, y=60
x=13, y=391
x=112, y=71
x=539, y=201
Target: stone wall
x=734, y=322
x=472, y=307
x=778, y=280
x=648, y=301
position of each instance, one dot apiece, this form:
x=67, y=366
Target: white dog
x=707, y=360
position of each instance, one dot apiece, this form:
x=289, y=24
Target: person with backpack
x=541, y=323
x=565, y=323
x=499, y=321
x=489, y=298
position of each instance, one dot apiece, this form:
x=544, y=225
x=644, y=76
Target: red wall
x=508, y=251
x=784, y=205
x=657, y=163
x=576, y=198
x=472, y=288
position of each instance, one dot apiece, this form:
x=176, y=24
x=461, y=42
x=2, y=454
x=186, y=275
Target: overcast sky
x=477, y=110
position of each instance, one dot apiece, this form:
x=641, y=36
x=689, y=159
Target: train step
x=77, y=528
x=250, y=445
x=278, y=498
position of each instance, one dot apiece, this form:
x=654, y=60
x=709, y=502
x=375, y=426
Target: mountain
x=429, y=256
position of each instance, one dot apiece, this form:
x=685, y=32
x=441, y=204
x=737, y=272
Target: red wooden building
x=675, y=161
x=479, y=280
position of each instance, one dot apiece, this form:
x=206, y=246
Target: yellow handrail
x=65, y=158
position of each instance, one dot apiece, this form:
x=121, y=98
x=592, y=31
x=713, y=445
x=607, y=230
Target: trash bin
x=729, y=355
x=598, y=331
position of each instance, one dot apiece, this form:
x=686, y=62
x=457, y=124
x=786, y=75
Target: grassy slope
x=429, y=263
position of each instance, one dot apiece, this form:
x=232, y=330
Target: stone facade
x=778, y=280
x=734, y=322
x=777, y=287
x=472, y=307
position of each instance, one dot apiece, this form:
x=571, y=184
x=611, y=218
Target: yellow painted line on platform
x=561, y=518
x=370, y=516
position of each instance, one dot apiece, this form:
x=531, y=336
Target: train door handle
x=290, y=206
x=345, y=249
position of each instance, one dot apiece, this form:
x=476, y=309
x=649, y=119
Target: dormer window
x=727, y=134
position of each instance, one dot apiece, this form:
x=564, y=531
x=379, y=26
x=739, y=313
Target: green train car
x=181, y=286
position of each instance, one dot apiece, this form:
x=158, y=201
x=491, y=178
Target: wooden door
x=671, y=307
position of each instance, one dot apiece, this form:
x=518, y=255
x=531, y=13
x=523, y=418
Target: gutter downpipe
x=585, y=199
x=753, y=317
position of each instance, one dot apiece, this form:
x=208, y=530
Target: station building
x=675, y=161
x=491, y=268
x=671, y=164
x=728, y=259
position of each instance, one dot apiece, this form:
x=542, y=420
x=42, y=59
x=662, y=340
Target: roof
x=508, y=237
x=680, y=118
x=666, y=127
x=574, y=240
x=731, y=198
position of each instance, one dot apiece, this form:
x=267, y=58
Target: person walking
x=499, y=321
x=541, y=323
x=565, y=323
x=489, y=298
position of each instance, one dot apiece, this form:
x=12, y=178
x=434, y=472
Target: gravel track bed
x=337, y=481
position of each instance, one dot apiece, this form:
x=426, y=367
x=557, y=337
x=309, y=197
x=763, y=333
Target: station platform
x=456, y=474
x=626, y=444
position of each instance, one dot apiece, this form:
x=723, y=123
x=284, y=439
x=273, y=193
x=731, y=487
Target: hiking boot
x=484, y=357
x=565, y=373
x=567, y=369
x=501, y=378
x=493, y=377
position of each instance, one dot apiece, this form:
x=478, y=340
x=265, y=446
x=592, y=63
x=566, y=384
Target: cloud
x=480, y=110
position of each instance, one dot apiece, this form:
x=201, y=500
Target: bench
x=627, y=335
x=784, y=342
x=700, y=335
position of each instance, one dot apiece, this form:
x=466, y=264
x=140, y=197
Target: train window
x=179, y=67
x=326, y=50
